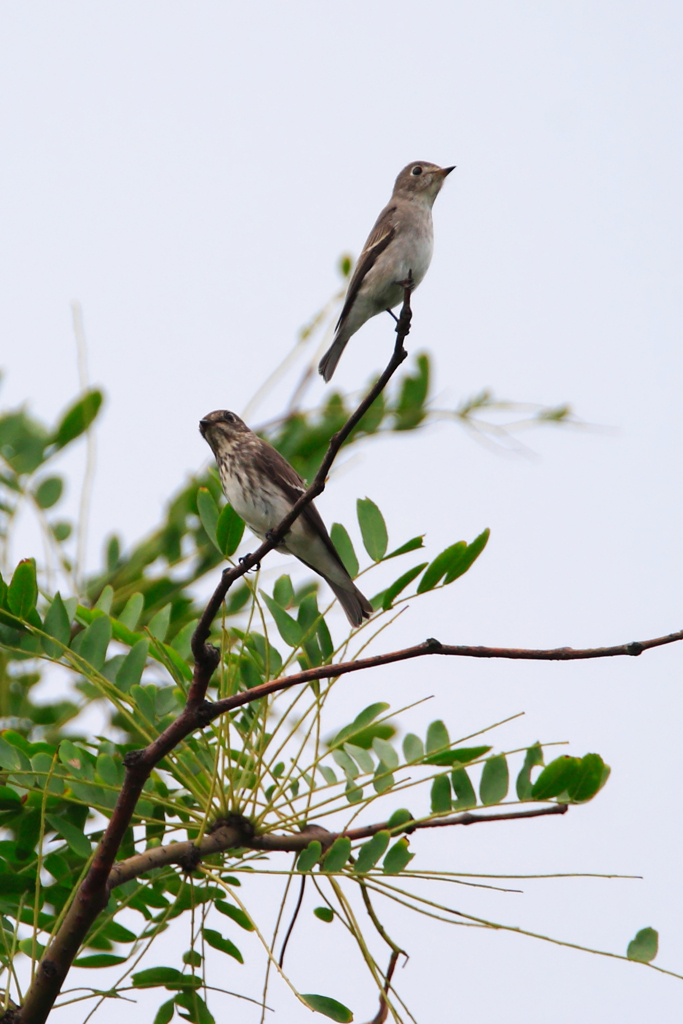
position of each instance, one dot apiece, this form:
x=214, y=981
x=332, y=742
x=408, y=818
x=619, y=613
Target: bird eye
x=416, y=170
x=229, y=418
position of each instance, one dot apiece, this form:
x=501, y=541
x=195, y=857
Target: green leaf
x=309, y=857
x=165, y=1012
x=288, y=628
x=100, y=960
x=495, y=779
x=117, y=933
x=23, y=442
x=61, y=531
x=460, y=566
x=208, y=513
x=159, y=623
x=325, y=640
x=410, y=545
x=353, y=793
x=182, y=641
x=235, y=913
x=74, y=759
x=440, y=566
x=410, y=409
x=10, y=758
x=283, y=591
x=229, y=530
x=363, y=719
x=337, y=855
x=361, y=757
x=78, y=418
x=198, y=1011
x=9, y=800
x=463, y=789
x=216, y=940
x=373, y=528
x=453, y=562
x=463, y=755
x=342, y=543
x=591, y=776
x=441, y=794
x=22, y=593
x=110, y=771
x=132, y=667
x=385, y=752
x=74, y=837
x=56, y=625
x=28, y=947
x=329, y=1007
x=177, y=666
x=104, y=601
x=392, y=592
x=383, y=779
x=130, y=616
x=644, y=946
x=399, y=818
x=413, y=748
x=49, y=491
x=532, y=758
x=96, y=639
x=398, y=858
x=169, y=977
x=437, y=737
x=144, y=697
x=346, y=763
x=560, y=775
x=328, y=774
x=324, y=914
x=41, y=764
x=370, y=853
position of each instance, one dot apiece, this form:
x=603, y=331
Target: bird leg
x=391, y=313
x=403, y=321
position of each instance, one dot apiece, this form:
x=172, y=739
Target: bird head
x=221, y=428
x=421, y=179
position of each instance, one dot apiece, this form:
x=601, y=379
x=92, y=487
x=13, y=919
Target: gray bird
x=261, y=486
x=401, y=241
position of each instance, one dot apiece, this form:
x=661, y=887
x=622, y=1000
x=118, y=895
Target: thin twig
x=90, y=456
x=396, y=951
x=293, y=921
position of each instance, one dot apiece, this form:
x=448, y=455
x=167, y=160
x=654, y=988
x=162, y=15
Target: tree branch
x=228, y=837
x=432, y=646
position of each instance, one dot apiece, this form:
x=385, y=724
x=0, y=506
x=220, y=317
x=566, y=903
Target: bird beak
x=447, y=170
x=204, y=426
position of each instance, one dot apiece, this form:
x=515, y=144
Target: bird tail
x=355, y=605
x=328, y=363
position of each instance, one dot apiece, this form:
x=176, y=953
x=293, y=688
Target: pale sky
x=191, y=173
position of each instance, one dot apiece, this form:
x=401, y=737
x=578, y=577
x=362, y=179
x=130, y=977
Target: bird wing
x=379, y=238
x=276, y=468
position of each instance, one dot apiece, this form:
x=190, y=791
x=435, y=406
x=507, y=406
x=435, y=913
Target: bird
x=401, y=242
x=262, y=487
